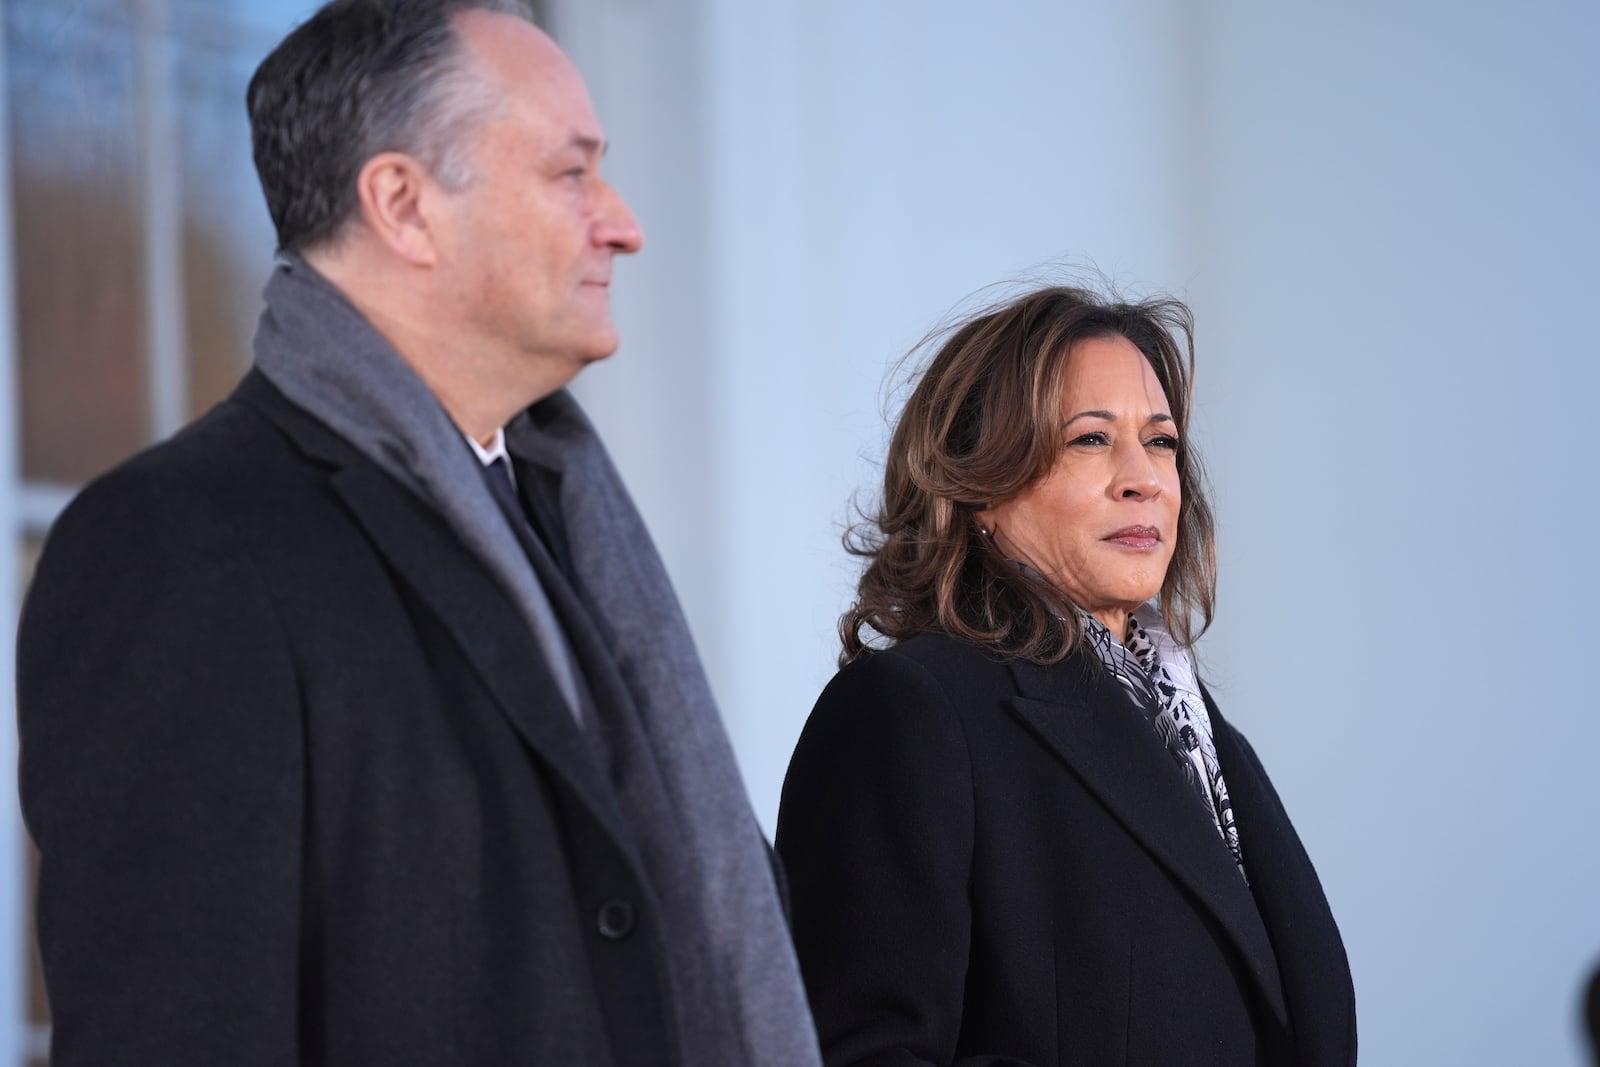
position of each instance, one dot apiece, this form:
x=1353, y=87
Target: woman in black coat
x=1018, y=830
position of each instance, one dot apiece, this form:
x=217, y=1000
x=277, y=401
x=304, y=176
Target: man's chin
x=603, y=346
x=578, y=353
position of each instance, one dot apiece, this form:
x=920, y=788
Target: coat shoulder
x=920, y=692
x=884, y=688
x=949, y=662
x=194, y=520
x=233, y=452
x=210, y=485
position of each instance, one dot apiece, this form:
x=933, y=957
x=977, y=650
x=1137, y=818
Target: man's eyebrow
x=588, y=145
x=1111, y=416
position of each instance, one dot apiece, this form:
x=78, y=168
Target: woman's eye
x=1165, y=442
x=1091, y=440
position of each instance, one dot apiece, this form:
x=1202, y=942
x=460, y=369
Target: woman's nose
x=1136, y=477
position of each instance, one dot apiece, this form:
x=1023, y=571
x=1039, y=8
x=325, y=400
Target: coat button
x=615, y=919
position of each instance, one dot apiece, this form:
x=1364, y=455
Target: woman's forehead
x=1110, y=374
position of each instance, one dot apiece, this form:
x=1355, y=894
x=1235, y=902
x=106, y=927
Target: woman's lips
x=1135, y=537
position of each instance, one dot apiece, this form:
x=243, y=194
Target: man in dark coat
x=359, y=722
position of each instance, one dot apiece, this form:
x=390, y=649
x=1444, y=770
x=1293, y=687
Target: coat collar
x=1084, y=717
x=419, y=546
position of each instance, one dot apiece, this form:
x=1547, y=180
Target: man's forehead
x=556, y=134
x=512, y=47
x=536, y=77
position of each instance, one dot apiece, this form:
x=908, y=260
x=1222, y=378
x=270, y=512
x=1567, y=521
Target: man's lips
x=1135, y=537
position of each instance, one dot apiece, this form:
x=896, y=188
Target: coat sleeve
x=161, y=778
x=876, y=831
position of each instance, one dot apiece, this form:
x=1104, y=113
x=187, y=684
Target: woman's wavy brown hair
x=983, y=423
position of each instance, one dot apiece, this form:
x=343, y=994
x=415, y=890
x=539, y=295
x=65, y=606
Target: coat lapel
x=1083, y=716
x=1310, y=954
x=428, y=557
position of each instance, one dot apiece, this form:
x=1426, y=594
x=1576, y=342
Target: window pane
x=228, y=236
x=80, y=310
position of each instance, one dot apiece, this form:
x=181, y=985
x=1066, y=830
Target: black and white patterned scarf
x=1159, y=674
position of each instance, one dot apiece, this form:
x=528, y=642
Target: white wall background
x=1384, y=216
x=1402, y=215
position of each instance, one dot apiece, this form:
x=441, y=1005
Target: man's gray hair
x=358, y=78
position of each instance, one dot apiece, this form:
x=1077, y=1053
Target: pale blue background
x=1384, y=216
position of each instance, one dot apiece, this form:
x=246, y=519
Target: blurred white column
x=162, y=217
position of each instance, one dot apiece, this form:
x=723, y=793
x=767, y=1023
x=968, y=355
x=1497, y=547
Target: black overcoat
x=302, y=787
x=995, y=863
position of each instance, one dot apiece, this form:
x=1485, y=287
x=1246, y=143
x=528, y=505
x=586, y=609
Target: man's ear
x=396, y=193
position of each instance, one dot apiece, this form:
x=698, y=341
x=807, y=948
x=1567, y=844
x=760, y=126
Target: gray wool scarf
x=316, y=348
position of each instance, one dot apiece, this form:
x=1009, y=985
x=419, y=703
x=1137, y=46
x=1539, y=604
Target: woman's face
x=1102, y=524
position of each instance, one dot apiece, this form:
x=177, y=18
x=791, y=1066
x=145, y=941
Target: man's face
x=527, y=244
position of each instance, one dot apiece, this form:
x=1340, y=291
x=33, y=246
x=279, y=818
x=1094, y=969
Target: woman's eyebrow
x=1111, y=416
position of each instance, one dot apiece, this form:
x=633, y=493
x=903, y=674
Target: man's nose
x=615, y=226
